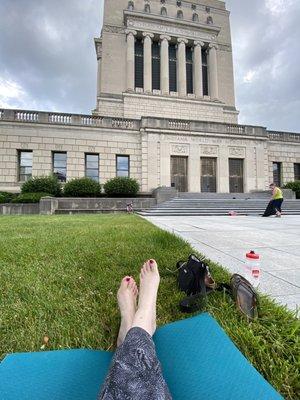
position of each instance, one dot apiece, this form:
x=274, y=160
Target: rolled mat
x=199, y=362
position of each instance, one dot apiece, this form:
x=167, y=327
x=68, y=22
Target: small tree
x=46, y=184
x=82, y=187
x=121, y=187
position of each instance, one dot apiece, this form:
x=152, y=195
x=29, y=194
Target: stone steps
x=217, y=207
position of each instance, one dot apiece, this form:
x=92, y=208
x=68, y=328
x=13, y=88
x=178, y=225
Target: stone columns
x=148, y=61
x=130, y=59
x=164, y=64
x=181, y=66
x=198, y=79
x=213, y=71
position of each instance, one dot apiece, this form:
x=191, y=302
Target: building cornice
x=170, y=26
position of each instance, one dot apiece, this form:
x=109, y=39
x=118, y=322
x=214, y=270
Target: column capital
x=213, y=46
x=148, y=34
x=182, y=40
x=165, y=37
x=198, y=43
x=132, y=31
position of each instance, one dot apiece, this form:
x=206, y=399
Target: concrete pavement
x=226, y=240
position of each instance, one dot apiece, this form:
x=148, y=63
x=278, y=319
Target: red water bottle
x=253, y=270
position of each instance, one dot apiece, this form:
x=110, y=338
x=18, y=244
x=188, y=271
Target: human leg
x=136, y=372
x=127, y=295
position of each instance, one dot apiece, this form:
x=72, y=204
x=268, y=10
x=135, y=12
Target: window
x=123, y=166
x=139, y=64
x=179, y=14
x=204, y=72
x=155, y=66
x=189, y=70
x=210, y=21
x=297, y=172
x=130, y=6
x=25, y=165
x=195, y=17
x=173, y=68
x=277, y=173
x=59, y=162
x=163, y=11
x=147, y=8
x=92, y=166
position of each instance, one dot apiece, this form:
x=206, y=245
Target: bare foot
x=127, y=295
x=145, y=317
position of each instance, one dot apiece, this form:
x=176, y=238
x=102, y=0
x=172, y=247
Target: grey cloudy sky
x=48, y=62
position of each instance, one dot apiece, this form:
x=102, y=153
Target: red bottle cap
x=252, y=255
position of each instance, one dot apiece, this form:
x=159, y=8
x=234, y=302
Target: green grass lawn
x=59, y=276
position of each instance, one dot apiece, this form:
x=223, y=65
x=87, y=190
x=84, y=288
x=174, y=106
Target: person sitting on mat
x=135, y=372
x=274, y=206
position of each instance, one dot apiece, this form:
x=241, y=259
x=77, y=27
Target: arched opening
x=195, y=17
x=210, y=21
x=130, y=6
x=179, y=14
x=147, y=8
x=163, y=11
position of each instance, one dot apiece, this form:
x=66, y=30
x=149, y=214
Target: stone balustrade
x=284, y=136
x=25, y=116
x=67, y=119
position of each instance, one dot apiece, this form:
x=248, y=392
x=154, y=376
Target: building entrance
x=236, y=175
x=179, y=178
x=208, y=175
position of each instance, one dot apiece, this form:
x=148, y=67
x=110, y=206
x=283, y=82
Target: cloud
x=48, y=61
x=266, y=58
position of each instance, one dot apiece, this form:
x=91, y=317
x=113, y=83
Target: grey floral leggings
x=135, y=372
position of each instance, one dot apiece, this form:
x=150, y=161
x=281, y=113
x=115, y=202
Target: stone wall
x=80, y=205
x=19, y=209
x=287, y=154
x=43, y=139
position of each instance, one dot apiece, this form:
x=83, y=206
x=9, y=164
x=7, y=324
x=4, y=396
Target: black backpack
x=191, y=275
x=191, y=280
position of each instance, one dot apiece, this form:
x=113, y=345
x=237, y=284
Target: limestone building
x=165, y=111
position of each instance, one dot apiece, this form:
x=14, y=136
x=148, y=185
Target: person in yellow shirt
x=274, y=206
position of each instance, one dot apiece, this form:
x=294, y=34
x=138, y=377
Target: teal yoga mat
x=199, y=362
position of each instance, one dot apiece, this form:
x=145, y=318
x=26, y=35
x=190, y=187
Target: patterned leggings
x=135, y=372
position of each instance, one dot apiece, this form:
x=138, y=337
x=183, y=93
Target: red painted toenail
x=151, y=261
x=127, y=279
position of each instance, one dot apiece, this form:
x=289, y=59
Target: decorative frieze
x=209, y=150
x=180, y=150
x=237, y=152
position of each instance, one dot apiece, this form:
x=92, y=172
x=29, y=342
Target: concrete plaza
x=226, y=240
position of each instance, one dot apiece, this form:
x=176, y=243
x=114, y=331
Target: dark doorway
x=179, y=173
x=208, y=175
x=277, y=173
x=236, y=175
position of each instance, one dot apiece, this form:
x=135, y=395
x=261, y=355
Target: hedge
x=295, y=186
x=6, y=197
x=29, y=197
x=46, y=184
x=82, y=187
x=121, y=187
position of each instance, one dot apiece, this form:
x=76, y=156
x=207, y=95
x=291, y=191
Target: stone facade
x=149, y=142
x=202, y=25
x=189, y=141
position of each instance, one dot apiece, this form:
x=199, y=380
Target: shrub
x=29, y=197
x=82, y=187
x=6, y=197
x=118, y=187
x=295, y=186
x=46, y=184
